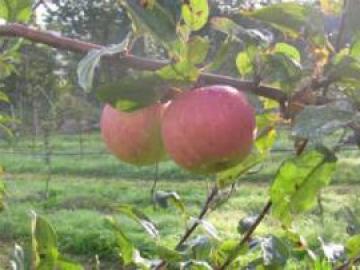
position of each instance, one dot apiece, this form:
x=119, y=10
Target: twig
x=192, y=228
x=203, y=212
x=132, y=61
x=246, y=237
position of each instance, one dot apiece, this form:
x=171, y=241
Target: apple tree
x=297, y=62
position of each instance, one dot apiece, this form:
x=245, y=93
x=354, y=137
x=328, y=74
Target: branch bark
x=206, y=207
x=246, y=237
x=54, y=40
x=341, y=32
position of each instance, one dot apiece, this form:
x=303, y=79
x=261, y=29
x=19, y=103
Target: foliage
x=284, y=46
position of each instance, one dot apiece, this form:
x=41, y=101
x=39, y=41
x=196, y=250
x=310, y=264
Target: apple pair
x=205, y=130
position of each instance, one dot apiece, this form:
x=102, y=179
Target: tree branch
x=341, y=32
x=246, y=237
x=206, y=207
x=56, y=41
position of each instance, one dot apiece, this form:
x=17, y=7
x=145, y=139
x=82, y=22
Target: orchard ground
x=81, y=188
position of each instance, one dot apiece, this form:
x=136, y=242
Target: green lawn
x=81, y=188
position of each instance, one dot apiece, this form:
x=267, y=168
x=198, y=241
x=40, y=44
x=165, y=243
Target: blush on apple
x=134, y=137
x=209, y=129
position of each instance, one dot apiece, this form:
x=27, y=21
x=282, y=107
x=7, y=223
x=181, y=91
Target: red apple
x=134, y=137
x=209, y=129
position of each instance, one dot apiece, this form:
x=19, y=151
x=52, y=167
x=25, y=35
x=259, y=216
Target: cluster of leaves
x=17, y=10
x=267, y=57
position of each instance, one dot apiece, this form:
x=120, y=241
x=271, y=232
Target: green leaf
x=283, y=70
x=208, y=227
x=353, y=246
x=316, y=121
x=182, y=72
x=275, y=252
x=169, y=255
x=195, y=13
x=222, y=55
x=198, y=48
x=263, y=144
x=288, y=50
x=195, y=265
x=134, y=91
x=4, y=97
x=66, y=264
x=153, y=19
x=298, y=181
x=322, y=265
x=162, y=198
x=225, y=248
x=15, y=10
x=44, y=243
x=230, y=176
x=198, y=248
x=126, y=247
x=355, y=48
x=3, y=10
x=345, y=69
x=239, y=33
x=193, y=51
x=289, y=18
x=331, y=6
x=244, y=64
x=139, y=217
x=88, y=64
x=246, y=223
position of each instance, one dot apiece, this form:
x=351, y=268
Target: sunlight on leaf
x=299, y=180
x=353, y=246
x=195, y=13
x=289, y=18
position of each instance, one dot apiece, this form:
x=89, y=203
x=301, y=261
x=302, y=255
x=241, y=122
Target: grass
x=81, y=188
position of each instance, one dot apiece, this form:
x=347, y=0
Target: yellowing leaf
x=195, y=13
x=331, y=6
